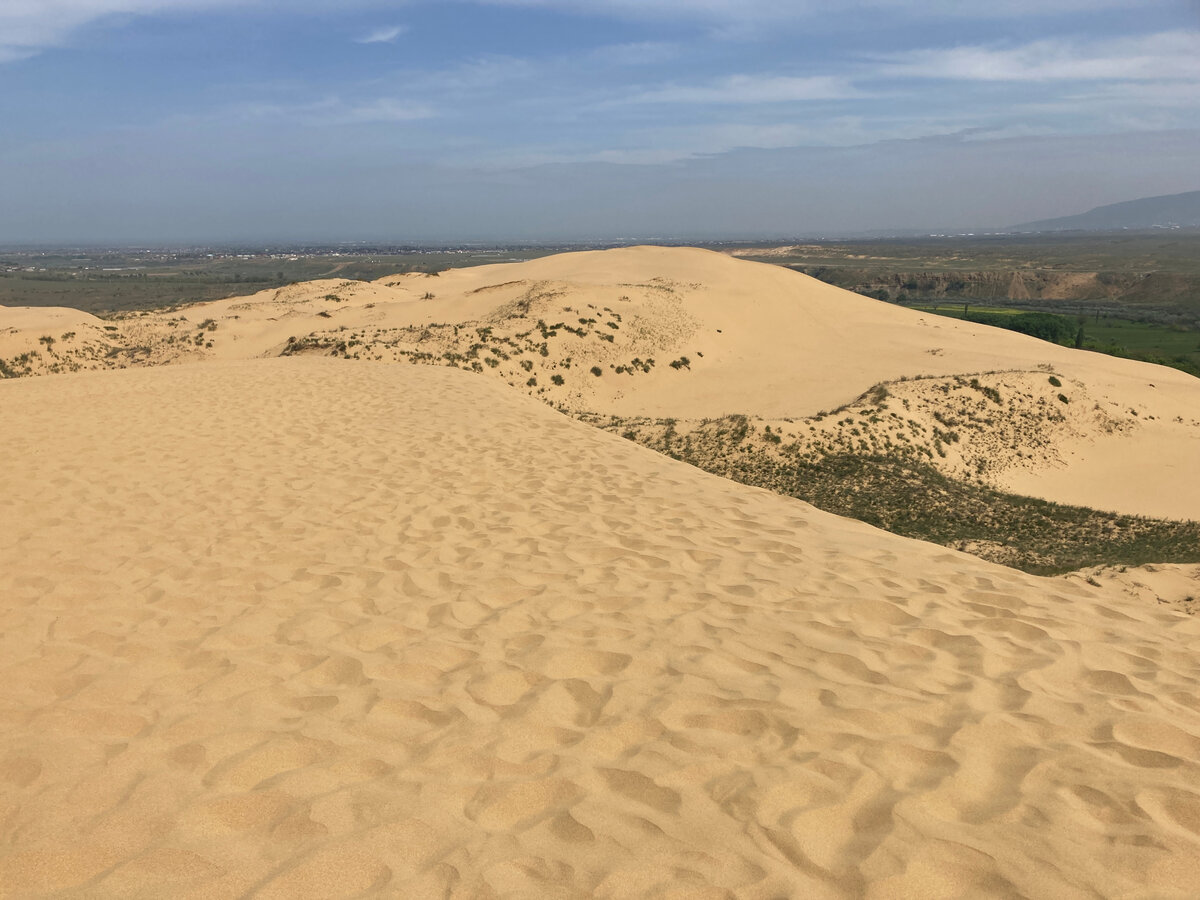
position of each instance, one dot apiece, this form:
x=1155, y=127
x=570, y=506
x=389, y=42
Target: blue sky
x=212, y=120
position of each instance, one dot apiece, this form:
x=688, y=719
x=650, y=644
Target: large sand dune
x=309, y=628
x=744, y=338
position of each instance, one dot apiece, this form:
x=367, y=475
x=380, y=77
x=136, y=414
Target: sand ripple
x=298, y=628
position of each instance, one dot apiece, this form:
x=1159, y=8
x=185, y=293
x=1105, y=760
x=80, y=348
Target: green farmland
x=1166, y=345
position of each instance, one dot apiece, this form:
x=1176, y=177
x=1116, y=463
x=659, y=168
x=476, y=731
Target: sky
x=163, y=122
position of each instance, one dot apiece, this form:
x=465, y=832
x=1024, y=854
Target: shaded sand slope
x=302, y=628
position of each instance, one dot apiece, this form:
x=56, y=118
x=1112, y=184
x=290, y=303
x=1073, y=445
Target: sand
x=758, y=340
x=314, y=628
x=1176, y=586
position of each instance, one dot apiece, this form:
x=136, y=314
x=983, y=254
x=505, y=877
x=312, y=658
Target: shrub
x=990, y=392
x=556, y=379
x=1047, y=326
x=597, y=371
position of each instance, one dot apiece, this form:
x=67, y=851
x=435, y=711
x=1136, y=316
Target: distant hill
x=1177, y=210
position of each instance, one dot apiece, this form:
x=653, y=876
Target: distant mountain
x=1172, y=210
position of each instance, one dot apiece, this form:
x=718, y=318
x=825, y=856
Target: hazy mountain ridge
x=1169, y=210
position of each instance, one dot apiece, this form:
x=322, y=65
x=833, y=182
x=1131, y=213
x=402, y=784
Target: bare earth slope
x=687, y=334
x=303, y=628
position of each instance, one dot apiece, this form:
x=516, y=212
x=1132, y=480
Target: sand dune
x=1176, y=586
x=686, y=334
x=305, y=628
x=71, y=332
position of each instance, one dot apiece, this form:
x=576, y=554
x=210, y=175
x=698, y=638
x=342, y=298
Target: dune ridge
x=687, y=334
x=298, y=628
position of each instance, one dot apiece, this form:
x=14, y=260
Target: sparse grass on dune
x=913, y=499
x=884, y=471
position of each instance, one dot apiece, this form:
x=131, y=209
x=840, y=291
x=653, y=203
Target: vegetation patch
x=910, y=497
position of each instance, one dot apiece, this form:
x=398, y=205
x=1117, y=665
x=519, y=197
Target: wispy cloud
x=743, y=89
x=325, y=111
x=1172, y=55
x=30, y=26
x=386, y=110
x=384, y=35
x=774, y=10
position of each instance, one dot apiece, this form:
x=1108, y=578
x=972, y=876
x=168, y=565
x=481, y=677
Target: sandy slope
x=1176, y=586
x=72, y=332
x=304, y=628
x=757, y=339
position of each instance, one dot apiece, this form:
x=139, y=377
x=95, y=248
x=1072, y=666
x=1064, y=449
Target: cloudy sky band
x=484, y=86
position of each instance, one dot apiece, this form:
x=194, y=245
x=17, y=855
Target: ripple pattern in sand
x=298, y=629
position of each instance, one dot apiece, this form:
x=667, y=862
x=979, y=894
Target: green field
x=955, y=310
x=1166, y=345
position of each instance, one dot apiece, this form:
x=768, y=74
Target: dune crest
x=302, y=628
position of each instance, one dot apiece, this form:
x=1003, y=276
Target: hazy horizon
x=209, y=122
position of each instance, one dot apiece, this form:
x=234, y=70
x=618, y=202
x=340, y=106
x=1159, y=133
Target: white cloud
x=319, y=113
x=28, y=26
x=384, y=35
x=780, y=10
x=744, y=89
x=1144, y=94
x=1172, y=55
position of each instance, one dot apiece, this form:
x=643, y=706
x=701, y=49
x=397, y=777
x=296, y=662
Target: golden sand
x=320, y=628
x=307, y=628
x=759, y=340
